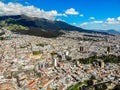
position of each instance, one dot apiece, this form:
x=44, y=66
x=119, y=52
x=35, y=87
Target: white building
x=55, y=61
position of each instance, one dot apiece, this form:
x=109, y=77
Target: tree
x=117, y=87
x=101, y=87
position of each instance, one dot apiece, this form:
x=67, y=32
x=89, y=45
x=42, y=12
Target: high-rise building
x=102, y=64
x=108, y=49
x=81, y=49
x=55, y=62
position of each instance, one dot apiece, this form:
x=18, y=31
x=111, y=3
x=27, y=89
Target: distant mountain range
x=41, y=26
x=111, y=31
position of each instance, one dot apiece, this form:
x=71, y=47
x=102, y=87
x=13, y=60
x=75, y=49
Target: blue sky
x=88, y=14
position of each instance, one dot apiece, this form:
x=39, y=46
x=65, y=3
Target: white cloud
x=118, y=18
x=60, y=14
x=71, y=11
x=90, y=23
x=113, y=21
x=110, y=21
x=93, y=22
x=84, y=24
x=18, y=9
x=81, y=15
x=27, y=3
x=91, y=18
x=60, y=20
x=75, y=24
x=97, y=22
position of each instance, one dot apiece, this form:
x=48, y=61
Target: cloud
x=110, y=21
x=60, y=20
x=118, y=18
x=91, y=18
x=96, y=22
x=113, y=20
x=81, y=15
x=18, y=9
x=60, y=14
x=27, y=3
x=75, y=24
x=90, y=23
x=84, y=24
x=71, y=11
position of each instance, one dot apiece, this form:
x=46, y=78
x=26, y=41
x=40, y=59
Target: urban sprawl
x=62, y=63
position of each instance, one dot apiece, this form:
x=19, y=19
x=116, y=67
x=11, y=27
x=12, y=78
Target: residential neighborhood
x=38, y=63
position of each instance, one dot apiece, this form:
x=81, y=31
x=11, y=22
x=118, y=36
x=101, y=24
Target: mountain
x=41, y=26
x=111, y=31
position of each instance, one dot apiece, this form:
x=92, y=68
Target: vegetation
x=17, y=27
x=13, y=26
x=78, y=85
x=3, y=38
x=53, y=53
x=101, y=87
x=105, y=58
x=111, y=59
x=88, y=60
x=6, y=38
x=91, y=39
x=92, y=77
x=41, y=44
x=36, y=52
x=37, y=74
x=2, y=33
x=88, y=83
x=117, y=87
x=3, y=23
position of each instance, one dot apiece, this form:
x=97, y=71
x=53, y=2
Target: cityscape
x=47, y=54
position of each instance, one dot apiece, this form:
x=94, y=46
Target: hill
x=110, y=31
x=40, y=26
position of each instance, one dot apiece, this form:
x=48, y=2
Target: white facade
x=55, y=62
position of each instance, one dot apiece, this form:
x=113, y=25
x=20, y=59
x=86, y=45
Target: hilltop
x=39, y=26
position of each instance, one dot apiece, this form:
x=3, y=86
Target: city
x=38, y=63
x=59, y=45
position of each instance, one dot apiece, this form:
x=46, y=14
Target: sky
x=87, y=14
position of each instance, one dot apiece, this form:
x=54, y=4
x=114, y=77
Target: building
x=81, y=49
x=108, y=49
x=55, y=62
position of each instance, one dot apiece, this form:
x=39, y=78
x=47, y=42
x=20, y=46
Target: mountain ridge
x=43, y=24
x=112, y=31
